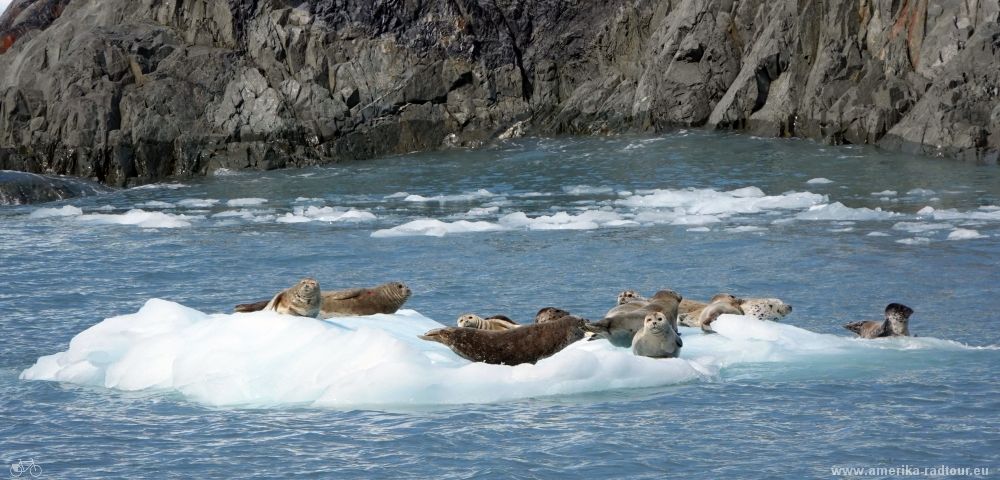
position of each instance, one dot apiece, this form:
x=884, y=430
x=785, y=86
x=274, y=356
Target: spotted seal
x=657, y=339
x=896, y=323
x=385, y=298
x=629, y=296
x=772, y=309
x=525, y=344
x=496, y=322
x=302, y=299
x=621, y=327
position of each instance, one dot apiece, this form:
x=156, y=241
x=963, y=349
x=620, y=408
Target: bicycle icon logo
x=19, y=468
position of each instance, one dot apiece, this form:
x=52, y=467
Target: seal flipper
x=344, y=294
x=855, y=327
x=597, y=330
x=251, y=307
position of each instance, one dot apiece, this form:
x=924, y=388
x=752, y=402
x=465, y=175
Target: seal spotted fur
x=496, y=322
x=620, y=328
x=385, y=298
x=657, y=339
x=302, y=299
x=525, y=344
x=896, y=323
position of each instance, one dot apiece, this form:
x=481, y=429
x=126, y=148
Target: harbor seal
x=549, y=314
x=710, y=313
x=525, y=344
x=689, y=310
x=896, y=323
x=620, y=328
x=657, y=339
x=385, y=298
x=302, y=299
x=496, y=322
x=771, y=309
x=628, y=296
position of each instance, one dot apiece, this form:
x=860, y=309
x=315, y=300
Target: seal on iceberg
x=712, y=312
x=896, y=323
x=629, y=296
x=496, y=322
x=771, y=309
x=525, y=344
x=549, y=314
x=302, y=299
x=620, y=327
x=689, y=310
x=385, y=298
x=657, y=339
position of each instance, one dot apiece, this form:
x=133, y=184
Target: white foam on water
x=141, y=218
x=197, y=202
x=819, y=181
x=482, y=211
x=746, y=229
x=154, y=186
x=885, y=193
x=397, y=195
x=920, y=192
x=325, y=214
x=433, y=227
x=920, y=227
x=154, y=204
x=586, y=190
x=712, y=202
x=272, y=360
x=586, y=220
x=914, y=241
x=878, y=234
x=246, y=202
x=465, y=197
x=838, y=211
x=965, y=234
x=64, y=211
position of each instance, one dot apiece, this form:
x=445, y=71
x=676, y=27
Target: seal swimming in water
x=710, y=313
x=496, y=322
x=620, y=328
x=385, y=298
x=657, y=339
x=689, y=310
x=302, y=299
x=525, y=344
x=896, y=323
x=771, y=309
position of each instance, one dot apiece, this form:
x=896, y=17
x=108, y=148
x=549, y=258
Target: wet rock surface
x=20, y=188
x=128, y=92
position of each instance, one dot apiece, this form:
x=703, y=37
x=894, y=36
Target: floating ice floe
x=964, y=234
x=197, y=202
x=64, y=211
x=465, y=197
x=325, y=214
x=819, y=181
x=587, y=190
x=838, y=211
x=246, y=202
x=264, y=359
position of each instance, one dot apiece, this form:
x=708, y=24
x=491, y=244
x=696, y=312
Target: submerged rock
x=130, y=92
x=19, y=188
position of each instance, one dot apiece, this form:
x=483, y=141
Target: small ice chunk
x=964, y=234
x=819, y=181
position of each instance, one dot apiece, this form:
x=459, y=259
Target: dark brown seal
x=621, y=327
x=549, y=314
x=385, y=298
x=525, y=344
x=896, y=323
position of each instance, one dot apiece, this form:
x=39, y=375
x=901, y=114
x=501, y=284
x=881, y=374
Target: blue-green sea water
x=178, y=389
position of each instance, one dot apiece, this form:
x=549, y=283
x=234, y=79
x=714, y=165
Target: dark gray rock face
x=19, y=188
x=130, y=91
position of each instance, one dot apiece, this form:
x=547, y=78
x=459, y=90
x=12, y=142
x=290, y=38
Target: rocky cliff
x=130, y=91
